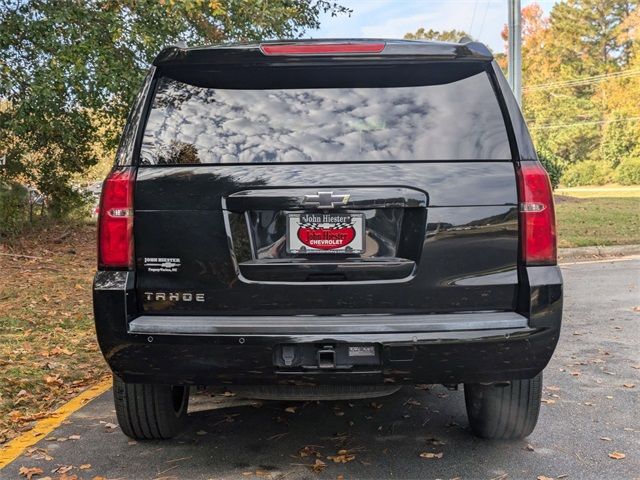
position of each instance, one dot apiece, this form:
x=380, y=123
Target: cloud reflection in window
x=455, y=121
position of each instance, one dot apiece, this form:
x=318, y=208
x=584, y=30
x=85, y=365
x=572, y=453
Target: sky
x=482, y=19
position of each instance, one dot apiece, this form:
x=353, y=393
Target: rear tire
x=149, y=412
x=504, y=412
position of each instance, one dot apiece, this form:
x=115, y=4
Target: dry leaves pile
x=48, y=351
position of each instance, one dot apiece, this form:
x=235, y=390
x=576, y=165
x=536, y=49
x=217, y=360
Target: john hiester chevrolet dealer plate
x=325, y=232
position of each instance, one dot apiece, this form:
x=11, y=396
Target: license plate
x=325, y=232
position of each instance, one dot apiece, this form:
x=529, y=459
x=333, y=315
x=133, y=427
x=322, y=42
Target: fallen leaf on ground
x=201, y=432
x=309, y=451
x=53, y=380
x=318, y=466
x=617, y=455
x=74, y=437
x=343, y=456
x=530, y=447
x=290, y=409
x=60, y=350
x=85, y=466
x=606, y=439
x=38, y=454
x=29, y=472
x=431, y=455
x=628, y=385
x=543, y=477
x=548, y=401
x=62, y=469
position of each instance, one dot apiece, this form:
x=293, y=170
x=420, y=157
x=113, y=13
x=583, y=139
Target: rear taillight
x=537, y=216
x=115, y=224
x=322, y=48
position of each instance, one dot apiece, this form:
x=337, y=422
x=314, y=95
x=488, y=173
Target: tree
x=69, y=69
x=444, y=36
x=575, y=112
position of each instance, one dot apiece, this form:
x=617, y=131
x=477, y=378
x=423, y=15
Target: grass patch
x=48, y=350
x=597, y=221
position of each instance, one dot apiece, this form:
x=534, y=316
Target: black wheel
x=147, y=412
x=504, y=411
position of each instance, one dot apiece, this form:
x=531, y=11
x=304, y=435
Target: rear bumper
x=452, y=348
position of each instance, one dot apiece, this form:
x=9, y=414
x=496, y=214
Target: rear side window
x=354, y=115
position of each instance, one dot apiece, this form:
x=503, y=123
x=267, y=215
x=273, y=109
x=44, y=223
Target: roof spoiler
x=293, y=50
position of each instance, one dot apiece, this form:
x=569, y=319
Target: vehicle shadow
x=228, y=437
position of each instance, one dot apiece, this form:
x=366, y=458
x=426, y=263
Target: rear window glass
x=442, y=117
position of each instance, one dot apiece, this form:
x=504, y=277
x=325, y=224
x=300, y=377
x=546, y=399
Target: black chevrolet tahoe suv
x=327, y=219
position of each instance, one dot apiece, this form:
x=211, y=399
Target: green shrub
x=619, y=139
x=70, y=203
x=587, y=172
x=552, y=166
x=628, y=172
x=14, y=201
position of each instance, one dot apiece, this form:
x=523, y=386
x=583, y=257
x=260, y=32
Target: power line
x=484, y=17
x=473, y=17
x=584, y=81
x=599, y=122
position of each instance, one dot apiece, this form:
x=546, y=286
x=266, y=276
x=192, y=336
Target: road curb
x=597, y=253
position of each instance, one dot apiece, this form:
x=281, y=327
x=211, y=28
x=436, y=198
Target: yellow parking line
x=13, y=449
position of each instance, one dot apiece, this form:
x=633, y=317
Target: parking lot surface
x=590, y=413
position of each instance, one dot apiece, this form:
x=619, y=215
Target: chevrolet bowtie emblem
x=326, y=200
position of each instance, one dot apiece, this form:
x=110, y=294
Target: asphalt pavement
x=591, y=409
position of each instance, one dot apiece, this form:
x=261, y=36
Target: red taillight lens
x=115, y=224
x=537, y=215
x=321, y=48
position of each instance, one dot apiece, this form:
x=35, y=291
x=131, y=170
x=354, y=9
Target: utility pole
x=515, y=49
